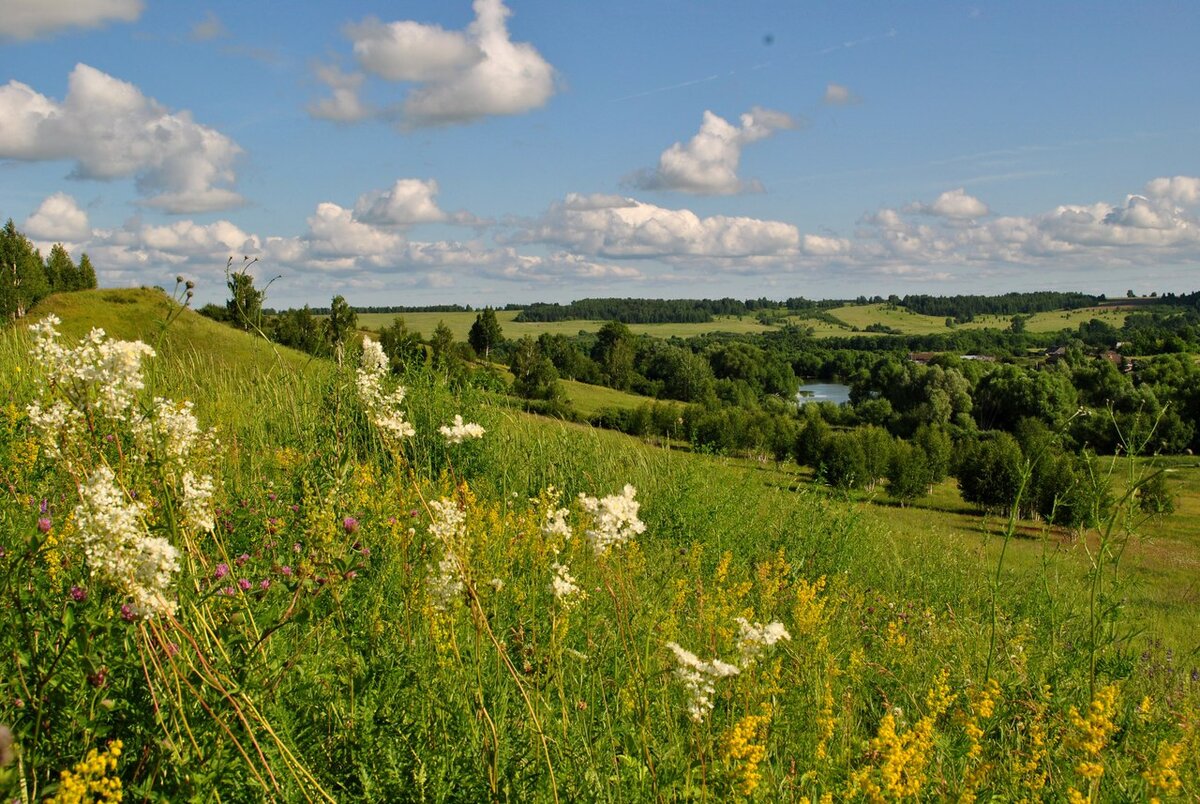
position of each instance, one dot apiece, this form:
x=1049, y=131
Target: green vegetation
x=385, y=607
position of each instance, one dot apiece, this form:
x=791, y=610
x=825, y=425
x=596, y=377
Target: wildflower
x=44, y=524
x=242, y=559
x=244, y=584
x=127, y=613
x=554, y=523
x=265, y=583
x=197, y=500
x=118, y=548
x=756, y=638
x=566, y=590
x=285, y=570
x=170, y=432
x=446, y=588
x=699, y=679
x=615, y=519
x=745, y=750
x=350, y=525
x=78, y=594
x=221, y=571
x=92, y=779
x=456, y=433
x=383, y=409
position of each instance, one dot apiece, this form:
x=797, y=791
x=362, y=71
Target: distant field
x=855, y=316
x=910, y=323
x=460, y=325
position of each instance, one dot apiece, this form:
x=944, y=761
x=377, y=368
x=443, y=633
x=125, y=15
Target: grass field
x=548, y=613
x=854, y=316
x=910, y=323
x=460, y=325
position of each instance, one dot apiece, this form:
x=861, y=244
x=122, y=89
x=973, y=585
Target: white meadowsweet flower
x=171, y=432
x=457, y=432
x=118, y=548
x=197, y=502
x=97, y=374
x=449, y=521
x=61, y=423
x=615, y=519
x=566, y=590
x=383, y=409
x=755, y=638
x=699, y=678
x=446, y=587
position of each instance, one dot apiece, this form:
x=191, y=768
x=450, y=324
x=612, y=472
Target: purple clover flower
x=221, y=571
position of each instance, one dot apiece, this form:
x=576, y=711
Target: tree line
x=26, y=278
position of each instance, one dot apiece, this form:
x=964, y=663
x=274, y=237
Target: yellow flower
x=91, y=780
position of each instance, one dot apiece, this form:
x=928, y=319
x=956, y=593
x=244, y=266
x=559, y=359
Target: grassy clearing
x=910, y=323
x=460, y=325
x=436, y=637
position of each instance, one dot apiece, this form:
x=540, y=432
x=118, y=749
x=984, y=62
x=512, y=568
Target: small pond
x=833, y=392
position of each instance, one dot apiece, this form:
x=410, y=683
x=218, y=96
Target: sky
x=507, y=151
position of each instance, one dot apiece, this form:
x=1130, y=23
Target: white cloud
x=58, y=218
x=407, y=202
x=411, y=51
x=333, y=232
x=612, y=226
x=839, y=95
x=708, y=163
x=28, y=19
x=344, y=104
x=110, y=130
x=459, y=76
x=1180, y=189
x=954, y=204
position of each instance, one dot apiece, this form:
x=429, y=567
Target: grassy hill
x=372, y=619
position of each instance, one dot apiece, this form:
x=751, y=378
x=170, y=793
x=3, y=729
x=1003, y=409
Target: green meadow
x=365, y=606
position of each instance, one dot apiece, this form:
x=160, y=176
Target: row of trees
x=25, y=278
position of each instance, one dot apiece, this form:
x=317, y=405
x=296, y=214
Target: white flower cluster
x=449, y=526
x=197, y=501
x=97, y=375
x=98, y=371
x=460, y=430
x=119, y=549
x=383, y=408
x=755, y=638
x=699, y=678
x=170, y=432
x=615, y=519
x=566, y=590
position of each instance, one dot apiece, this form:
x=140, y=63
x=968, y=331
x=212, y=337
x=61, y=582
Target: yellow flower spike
x=1162, y=777
x=92, y=779
x=745, y=749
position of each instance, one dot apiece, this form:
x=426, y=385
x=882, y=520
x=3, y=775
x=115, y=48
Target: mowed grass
x=460, y=325
x=910, y=323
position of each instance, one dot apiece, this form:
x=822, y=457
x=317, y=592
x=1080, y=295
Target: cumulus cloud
x=29, y=19
x=58, y=218
x=344, y=104
x=708, y=163
x=1180, y=189
x=616, y=227
x=458, y=76
x=407, y=202
x=110, y=130
x=839, y=95
x=953, y=204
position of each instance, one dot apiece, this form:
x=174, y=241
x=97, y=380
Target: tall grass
x=348, y=678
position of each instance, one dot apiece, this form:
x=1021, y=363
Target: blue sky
x=493, y=152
